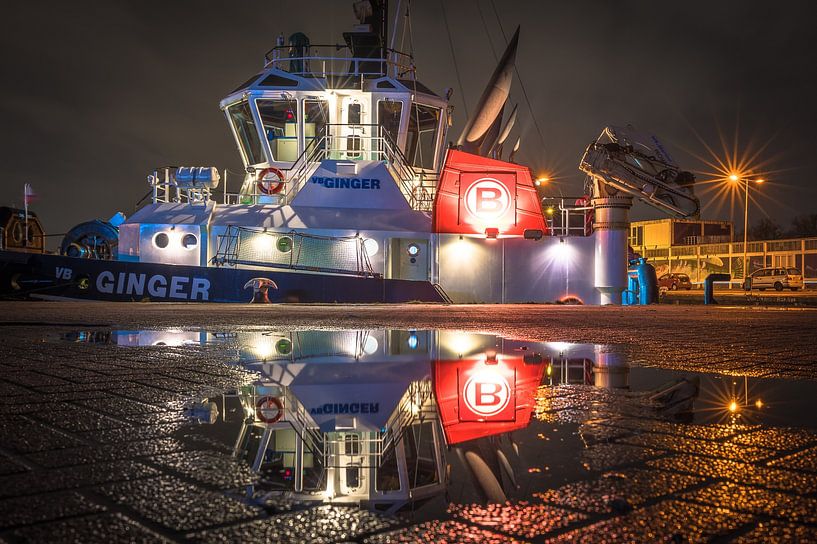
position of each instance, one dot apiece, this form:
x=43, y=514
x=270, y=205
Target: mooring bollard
x=260, y=288
x=709, y=286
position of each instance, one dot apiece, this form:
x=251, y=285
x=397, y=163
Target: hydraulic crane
x=623, y=164
x=638, y=164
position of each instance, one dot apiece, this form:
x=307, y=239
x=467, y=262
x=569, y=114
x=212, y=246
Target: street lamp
x=735, y=178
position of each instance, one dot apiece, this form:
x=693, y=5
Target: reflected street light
x=735, y=178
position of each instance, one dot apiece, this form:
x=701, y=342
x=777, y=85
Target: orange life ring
x=268, y=187
x=263, y=404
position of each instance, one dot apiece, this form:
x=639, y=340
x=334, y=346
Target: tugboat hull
x=49, y=276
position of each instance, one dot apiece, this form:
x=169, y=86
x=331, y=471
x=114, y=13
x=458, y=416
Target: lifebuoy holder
x=268, y=186
x=264, y=405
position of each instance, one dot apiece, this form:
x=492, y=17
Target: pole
x=745, y=228
x=25, y=206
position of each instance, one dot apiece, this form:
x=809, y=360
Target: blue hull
x=58, y=276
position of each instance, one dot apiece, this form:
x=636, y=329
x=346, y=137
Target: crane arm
x=624, y=160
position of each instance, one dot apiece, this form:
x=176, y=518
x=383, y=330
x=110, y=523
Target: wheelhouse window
x=316, y=117
x=422, y=135
x=246, y=132
x=388, y=117
x=280, y=121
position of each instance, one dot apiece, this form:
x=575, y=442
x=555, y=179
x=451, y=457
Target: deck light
x=733, y=177
x=263, y=349
x=371, y=246
x=733, y=406
x=412, y=340
x=561, y=252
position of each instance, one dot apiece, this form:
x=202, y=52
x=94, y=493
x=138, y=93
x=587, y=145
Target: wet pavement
x=135, y=433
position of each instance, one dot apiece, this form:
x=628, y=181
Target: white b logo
x=486, y=393
x=487, y=198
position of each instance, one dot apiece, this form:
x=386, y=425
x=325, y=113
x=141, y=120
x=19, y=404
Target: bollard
x=709, y=286
x=260, y=287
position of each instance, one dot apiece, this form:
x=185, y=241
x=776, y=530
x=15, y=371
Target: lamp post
x=736, y=178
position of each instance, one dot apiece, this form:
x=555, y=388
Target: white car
x=777, y=278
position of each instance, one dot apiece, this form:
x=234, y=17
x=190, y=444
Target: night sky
x=96, y=94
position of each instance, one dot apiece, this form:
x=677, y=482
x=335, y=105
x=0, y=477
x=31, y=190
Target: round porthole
x=283, y=346
x=161, y=240
x=189, y=241
x=284, y=244
x=413, y=250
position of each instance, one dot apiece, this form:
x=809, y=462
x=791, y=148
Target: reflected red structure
x=477, y=193
x=489, y=395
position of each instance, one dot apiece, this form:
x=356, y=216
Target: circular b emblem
x=486, y=393
x=487, y=198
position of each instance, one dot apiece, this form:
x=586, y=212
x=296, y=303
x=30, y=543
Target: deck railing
x=336, y=60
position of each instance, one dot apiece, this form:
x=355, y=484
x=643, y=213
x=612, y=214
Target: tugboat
x=350, y=194
x=342, y=146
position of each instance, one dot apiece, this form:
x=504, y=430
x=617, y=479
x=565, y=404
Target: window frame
x=437, y=134
x=239, y=141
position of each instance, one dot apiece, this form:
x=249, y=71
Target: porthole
x=284, y=244
x=283, y=346
x=189, y=241
x=161, y=240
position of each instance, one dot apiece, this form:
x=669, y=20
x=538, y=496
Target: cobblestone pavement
x=94, y=446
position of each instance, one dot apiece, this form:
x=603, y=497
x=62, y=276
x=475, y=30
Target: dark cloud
x=95, y=94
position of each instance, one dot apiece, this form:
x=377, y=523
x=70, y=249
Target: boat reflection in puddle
x=383, y=418
x=386, y=418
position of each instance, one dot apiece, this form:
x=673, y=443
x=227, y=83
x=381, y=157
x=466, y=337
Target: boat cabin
x=311, y=104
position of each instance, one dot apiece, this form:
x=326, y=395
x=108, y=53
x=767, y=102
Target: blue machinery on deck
x=642, y=283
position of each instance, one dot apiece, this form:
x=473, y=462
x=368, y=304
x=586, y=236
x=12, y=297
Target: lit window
x=280, y=121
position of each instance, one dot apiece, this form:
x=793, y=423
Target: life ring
x=268, y=187
x=264, y=403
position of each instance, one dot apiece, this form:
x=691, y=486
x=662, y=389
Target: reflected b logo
x=486, y=393
x=487, y=198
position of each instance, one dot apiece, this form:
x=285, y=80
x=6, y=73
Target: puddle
x=432, y=421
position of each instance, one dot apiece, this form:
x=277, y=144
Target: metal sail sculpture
x=515, y=149
x=483, y=128
x=496, y=149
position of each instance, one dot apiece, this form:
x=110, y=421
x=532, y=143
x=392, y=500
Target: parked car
x=673, y=282
x=777, y=278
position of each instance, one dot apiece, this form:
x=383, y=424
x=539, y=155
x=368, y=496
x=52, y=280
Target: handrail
x=380, y=146
x=443, y=294
x=315, y=443
x=307, y=162
x=418, y=393
x=307, y=56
